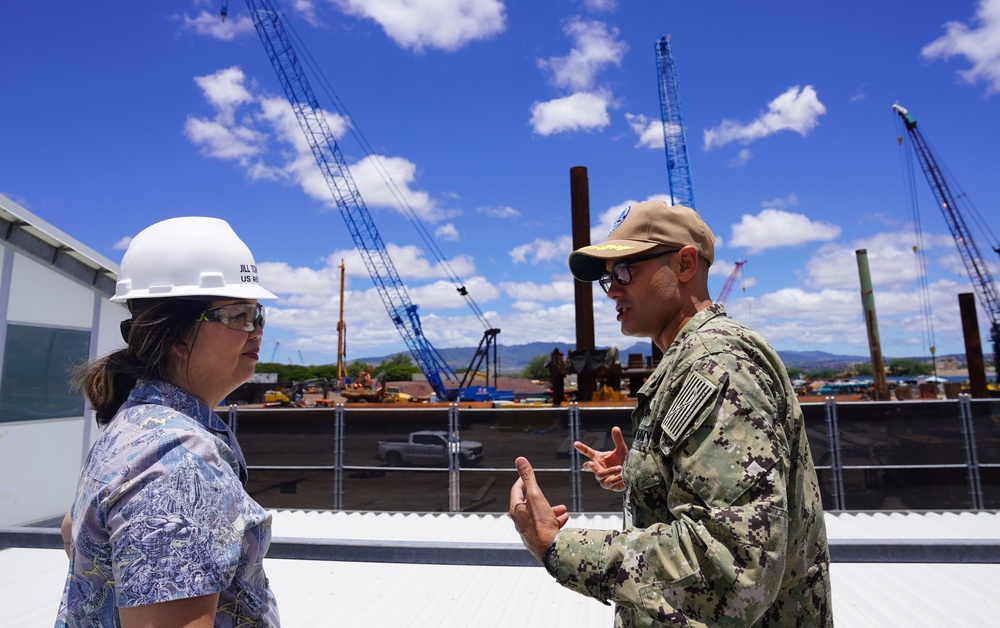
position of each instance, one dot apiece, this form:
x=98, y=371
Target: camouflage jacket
x=723, y=518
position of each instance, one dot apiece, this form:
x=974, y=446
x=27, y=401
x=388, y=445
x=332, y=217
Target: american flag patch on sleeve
x=693, y=395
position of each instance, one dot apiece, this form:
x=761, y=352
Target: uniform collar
x=666, y=364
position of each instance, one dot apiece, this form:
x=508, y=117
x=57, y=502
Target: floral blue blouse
x=161, y=514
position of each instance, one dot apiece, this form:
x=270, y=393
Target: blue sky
x=116, y=115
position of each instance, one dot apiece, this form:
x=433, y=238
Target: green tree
x=536, y=369
x=863, y=369
x=908, y=366
x=822, y=374
x=398, y=368
x=354, y=369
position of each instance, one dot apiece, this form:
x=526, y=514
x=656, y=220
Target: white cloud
x=442, y=295
x=831, y=312
x=225, y=90
x=774, y=228
x=223, y=142
x=600, y=6
x=447, y=232
x=799, y=318
x=649, y=131
x=443, y=24
x=836, y=266
x=368, y=175
x=741, y=159
x=307, y=9
x=542, y=250
x=245, y=122
x=499, y=212
x=796, y=110
x=584, y=111
x=781, y=203
x=222, y=137
x=594, y=47
x=211, y=25
x=310, y=300
x=979, y=44
x=559, y=289
x=409, y=261
x=122, y=244
x=721, y=268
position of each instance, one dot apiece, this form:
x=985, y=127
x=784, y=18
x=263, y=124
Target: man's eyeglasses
x=238, y=316
x=620, y=272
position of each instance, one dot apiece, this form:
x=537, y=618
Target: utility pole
x=881, y=387
x=340, y=331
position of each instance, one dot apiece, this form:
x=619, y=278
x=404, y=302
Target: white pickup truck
x=429, y=448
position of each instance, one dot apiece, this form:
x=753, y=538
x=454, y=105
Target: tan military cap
x=642, y=227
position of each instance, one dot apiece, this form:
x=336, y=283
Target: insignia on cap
x=621, y=218
x=608, y=247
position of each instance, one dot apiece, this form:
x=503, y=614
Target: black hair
x=156, y=326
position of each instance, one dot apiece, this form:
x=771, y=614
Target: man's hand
x=536, y=521
x=606, y=465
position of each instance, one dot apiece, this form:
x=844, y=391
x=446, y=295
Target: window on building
x=34, y=383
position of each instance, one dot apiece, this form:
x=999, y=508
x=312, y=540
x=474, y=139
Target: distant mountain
x=510, y=359
x=513, y=358
x=813, y=360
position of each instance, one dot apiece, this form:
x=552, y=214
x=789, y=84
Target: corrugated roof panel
x=914, y=525
x=321, y=593
x=879, y=595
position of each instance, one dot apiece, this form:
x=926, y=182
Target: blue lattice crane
x=953, y=207
x=678, y=165
x=352, y=207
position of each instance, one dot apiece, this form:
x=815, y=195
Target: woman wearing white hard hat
x=162, y=531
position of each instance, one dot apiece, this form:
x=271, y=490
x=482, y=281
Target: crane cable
x=926, y=317
x=408, y=211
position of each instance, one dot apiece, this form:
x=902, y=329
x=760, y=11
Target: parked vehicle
x=429, y=448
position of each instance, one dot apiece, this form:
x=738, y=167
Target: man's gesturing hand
x=606, y=465
x=536, y=521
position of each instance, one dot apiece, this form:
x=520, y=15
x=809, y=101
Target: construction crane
x=678, y=165
x=311, y=119
x=728, y=286
x=952, y=208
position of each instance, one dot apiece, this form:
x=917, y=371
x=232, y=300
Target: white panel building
x=54, y=313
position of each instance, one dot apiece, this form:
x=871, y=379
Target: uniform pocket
x=669, y=601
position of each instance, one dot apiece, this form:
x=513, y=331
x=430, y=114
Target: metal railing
x=909, y=455
x=981, y=551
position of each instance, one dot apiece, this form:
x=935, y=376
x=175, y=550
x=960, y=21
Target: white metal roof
x=48, y=243
x=321, y=593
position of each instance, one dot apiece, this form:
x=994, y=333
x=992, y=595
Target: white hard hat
x=185, y=257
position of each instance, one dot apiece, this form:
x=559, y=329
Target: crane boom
x=675, y=143
x=728, y=286
x=975, y=265
x=352, y=207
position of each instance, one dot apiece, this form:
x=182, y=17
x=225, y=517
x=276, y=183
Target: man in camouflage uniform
x=723, y=518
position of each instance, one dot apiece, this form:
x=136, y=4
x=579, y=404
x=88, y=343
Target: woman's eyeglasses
x=238, y=316
x=620, y=272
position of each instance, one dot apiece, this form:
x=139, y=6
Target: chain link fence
x=927, y=455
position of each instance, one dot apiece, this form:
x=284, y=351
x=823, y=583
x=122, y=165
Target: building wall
x=40, y=458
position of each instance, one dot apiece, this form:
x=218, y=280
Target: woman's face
x=218, y=355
